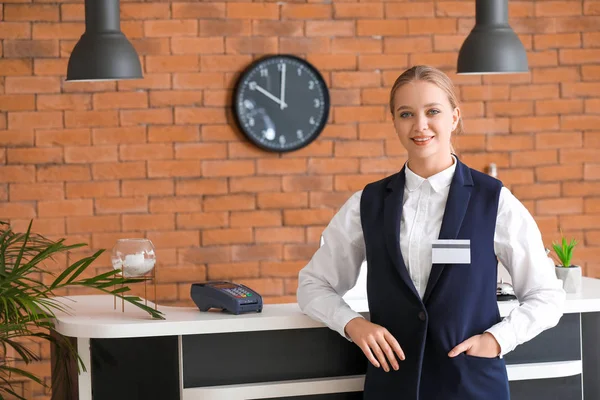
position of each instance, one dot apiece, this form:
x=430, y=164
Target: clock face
x=281, y=103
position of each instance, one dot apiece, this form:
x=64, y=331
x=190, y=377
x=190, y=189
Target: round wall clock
x=281, y=103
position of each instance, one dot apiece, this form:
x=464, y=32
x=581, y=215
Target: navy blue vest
x=459, y=301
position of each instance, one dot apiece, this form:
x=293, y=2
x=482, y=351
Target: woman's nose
x=420, y=124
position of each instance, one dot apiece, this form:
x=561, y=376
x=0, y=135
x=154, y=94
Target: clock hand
x=282, y=94
x=269, y=95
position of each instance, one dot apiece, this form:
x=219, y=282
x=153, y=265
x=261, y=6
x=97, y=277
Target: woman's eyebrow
x=426, y=105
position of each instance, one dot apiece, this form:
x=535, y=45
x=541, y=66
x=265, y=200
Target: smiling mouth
x=422, y=140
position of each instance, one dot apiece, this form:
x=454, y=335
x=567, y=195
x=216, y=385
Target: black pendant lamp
x=492, y=47
x=103, y=52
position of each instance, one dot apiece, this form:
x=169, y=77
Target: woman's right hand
x=376, y=342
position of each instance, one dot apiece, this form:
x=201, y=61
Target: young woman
x=432, y=236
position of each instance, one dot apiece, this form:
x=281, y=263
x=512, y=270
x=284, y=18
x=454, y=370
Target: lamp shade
x=492, y=47
x=103, y=52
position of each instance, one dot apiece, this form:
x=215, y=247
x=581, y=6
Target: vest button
x=422, y=316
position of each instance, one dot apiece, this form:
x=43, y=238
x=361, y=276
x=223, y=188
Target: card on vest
x=451, y=251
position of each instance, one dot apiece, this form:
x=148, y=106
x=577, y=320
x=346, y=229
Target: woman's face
x=424, y=119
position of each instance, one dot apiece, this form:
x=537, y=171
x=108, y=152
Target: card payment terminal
x=228, y=296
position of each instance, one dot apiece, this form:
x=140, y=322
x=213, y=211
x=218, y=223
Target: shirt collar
x=438, y=181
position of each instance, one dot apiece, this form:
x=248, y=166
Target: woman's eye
x=434, y=111
x=404, y=115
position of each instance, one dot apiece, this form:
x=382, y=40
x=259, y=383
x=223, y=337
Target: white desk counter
x=93, y=316
x=186, y=356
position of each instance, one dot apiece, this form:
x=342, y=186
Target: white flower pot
x=571, y=278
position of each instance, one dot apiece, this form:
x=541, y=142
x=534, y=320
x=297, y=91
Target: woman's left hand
x=484, y=345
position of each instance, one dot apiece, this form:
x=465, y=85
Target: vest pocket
x=477, y=358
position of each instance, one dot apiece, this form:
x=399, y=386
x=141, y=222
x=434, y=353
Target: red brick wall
x=159, y=157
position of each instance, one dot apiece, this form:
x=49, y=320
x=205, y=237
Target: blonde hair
x=433, y=75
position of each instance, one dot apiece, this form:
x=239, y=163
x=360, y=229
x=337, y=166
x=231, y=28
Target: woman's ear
x=455, y=118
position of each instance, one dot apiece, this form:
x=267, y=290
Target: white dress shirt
x=335, y=266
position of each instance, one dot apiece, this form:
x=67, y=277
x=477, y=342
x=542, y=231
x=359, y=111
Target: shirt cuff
x=341, y=318
x=505, y=337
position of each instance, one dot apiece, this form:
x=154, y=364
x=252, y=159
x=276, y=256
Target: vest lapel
x=454, y=213
x=393, y=215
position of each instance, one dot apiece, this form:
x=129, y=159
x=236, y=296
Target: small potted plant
x=565, y=271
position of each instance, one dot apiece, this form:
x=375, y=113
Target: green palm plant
x=28, y=304
x=564, y=251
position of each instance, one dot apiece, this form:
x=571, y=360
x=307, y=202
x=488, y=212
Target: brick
x=330, y=28
x=496, y=92
x=581, y=188
x=17, y=137
x=16, y=67
x=592, y=106
x=558, y=140
x=358, y=10
x=201, y=151
x=228, y=168
x=144, y=11
x=591, y=205
x=591, y=172
x=43, y=226
x=119, y=100
x=559, y=106
x=119, y=170
x=17, y=102
x=83, y=119
x=227, y=236
x=175, y=97
x=15, y=30
x=134, y=222
x=224, y=63
x=558, y=8
x=121, y=205
x=533, y=158
x=327, y=199
x=34, y=155
x=201, y=186
x=590, y=39
x=270, y=28
x=161, y=169
x=547, y=58
x=105, y=136
x=298, y=251
x=559, y=40
x=90, y=154
x=534, y=124
x=345, y=97
x=233, y=270
x=199, y=80
x=375, y=165
x=579, y=56
x=61, y=30
x=105, y=223
x=34, y=119
x=202, y=220
x=568, y=205
x=251, y=45
x=65, y=208
x=332, y=166
x=257, y=184
x=133, y=29
x=533, y=92
x=558, y=173
x=580, y=89
x=173, y=133
x=281, y=200
x=155, y=151
x=17, y=210
x=215, y=254
x=247, y=219
x=455, y=9
x=316, y=45
x=181, y=273
x=31, y=12
x=232, y=28
x=359, y=114
x=252, y=11
x=504, y=79
x=262, y=252
x=173, y=239
x=281, y=269
x=171, y=28
x=568, y=156
x=36, y=191
x=281, y=166
x=427, y=26
x=510, y=143
x=591, y=139
x=59, y=102
x=79, y=190
x=579, y=122
x=229, y=202
x=174, y=204
x=536, y=191
x=198, y=10
x=280, y=235
x=172, y=63
x=32, y=84
x=185, y=115
x=468, y=143
x=306, y=11
x=377, y=27
x=448, y=42
x=30, y=48
x=556, y=75
x=307, y=183
x=579, y=221
x=509, y=108
x=63, y=173
x=356, y=45
x=197, y=45
x=150, y=81
x=147, y=117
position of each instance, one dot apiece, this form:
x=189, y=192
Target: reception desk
x=283, y=354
